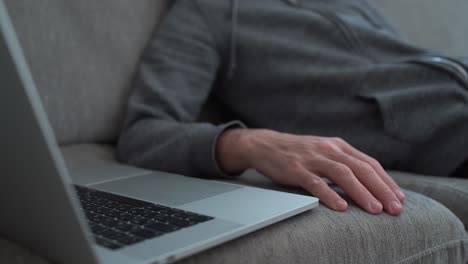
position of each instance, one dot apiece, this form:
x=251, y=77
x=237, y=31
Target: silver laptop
x=138, y=217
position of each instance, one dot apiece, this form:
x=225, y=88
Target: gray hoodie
x=316, y=67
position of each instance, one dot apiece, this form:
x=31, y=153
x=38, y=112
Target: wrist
x=232, y=150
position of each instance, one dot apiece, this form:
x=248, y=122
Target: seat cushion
x=451, y=192
x=427, y=232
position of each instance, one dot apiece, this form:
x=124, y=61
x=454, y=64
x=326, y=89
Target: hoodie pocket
x=413, y=101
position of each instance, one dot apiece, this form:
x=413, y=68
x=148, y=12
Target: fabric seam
x=430, y=250
x=461, y=193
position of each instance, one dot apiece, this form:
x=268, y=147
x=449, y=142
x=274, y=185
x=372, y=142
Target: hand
x=304, y=161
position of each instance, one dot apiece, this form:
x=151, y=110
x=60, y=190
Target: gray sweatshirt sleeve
x=173, y=81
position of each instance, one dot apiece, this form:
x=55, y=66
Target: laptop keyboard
x=118, y=221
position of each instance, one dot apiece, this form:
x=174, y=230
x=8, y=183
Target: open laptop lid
x=35, y=197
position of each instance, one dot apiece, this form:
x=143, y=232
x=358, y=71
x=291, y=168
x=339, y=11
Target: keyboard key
x=149, y=214
x=137, y=211
x=122, y=199
x=123, y=207
x=130, y=240
x=183, y=215
x=103, y=210
x=106, y=243
x=200, y=218
x=102, y=231
x=113, y=213
x=138, y=220
x=110, y=222
x=162, y=227
x=124, y=226
x=146, y=233
x=115, y=236
x=157, y=208
x=124, y=216
x=179, y=222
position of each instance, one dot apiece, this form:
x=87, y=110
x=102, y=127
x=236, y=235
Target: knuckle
x=313, y=182
x=339, y=140
x=342, y=170
x=328, y=147
x=374, y=163
x=294, y=163
x=365, y=168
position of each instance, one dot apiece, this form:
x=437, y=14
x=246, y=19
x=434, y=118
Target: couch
x=83, y=55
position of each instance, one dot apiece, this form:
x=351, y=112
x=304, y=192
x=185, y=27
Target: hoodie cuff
x=207, y=162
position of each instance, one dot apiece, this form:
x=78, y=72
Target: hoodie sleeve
x=173, y=81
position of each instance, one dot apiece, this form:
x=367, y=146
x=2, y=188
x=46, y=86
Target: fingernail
x=395, y=207
x=375, y=207
x=341, y=205
x=400, y=195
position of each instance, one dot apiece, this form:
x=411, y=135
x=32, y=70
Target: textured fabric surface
x=325, y=236
x=433, y=24
x=451, y=192
x=425, y=233
x=82, y=55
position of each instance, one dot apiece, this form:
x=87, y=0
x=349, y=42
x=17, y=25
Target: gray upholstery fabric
x=325, y=236
x=440, y=25
x=427, y=232
x=82, y=55
x=451, y=192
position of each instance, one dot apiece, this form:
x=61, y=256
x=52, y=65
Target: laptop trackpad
x=166, y=188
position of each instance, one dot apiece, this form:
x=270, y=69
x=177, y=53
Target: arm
x=172, y=83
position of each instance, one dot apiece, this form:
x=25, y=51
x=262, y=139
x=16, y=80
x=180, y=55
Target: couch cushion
x=451, y=192
x=434, y=24
x=82, y=55
x=427, y=232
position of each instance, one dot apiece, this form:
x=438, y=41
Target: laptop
x=115, y=214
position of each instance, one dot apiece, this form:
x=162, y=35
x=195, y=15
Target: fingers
x=319, y=188
x=350, y=150
x=345, y=178
x=304, y=160
x=366, y=174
